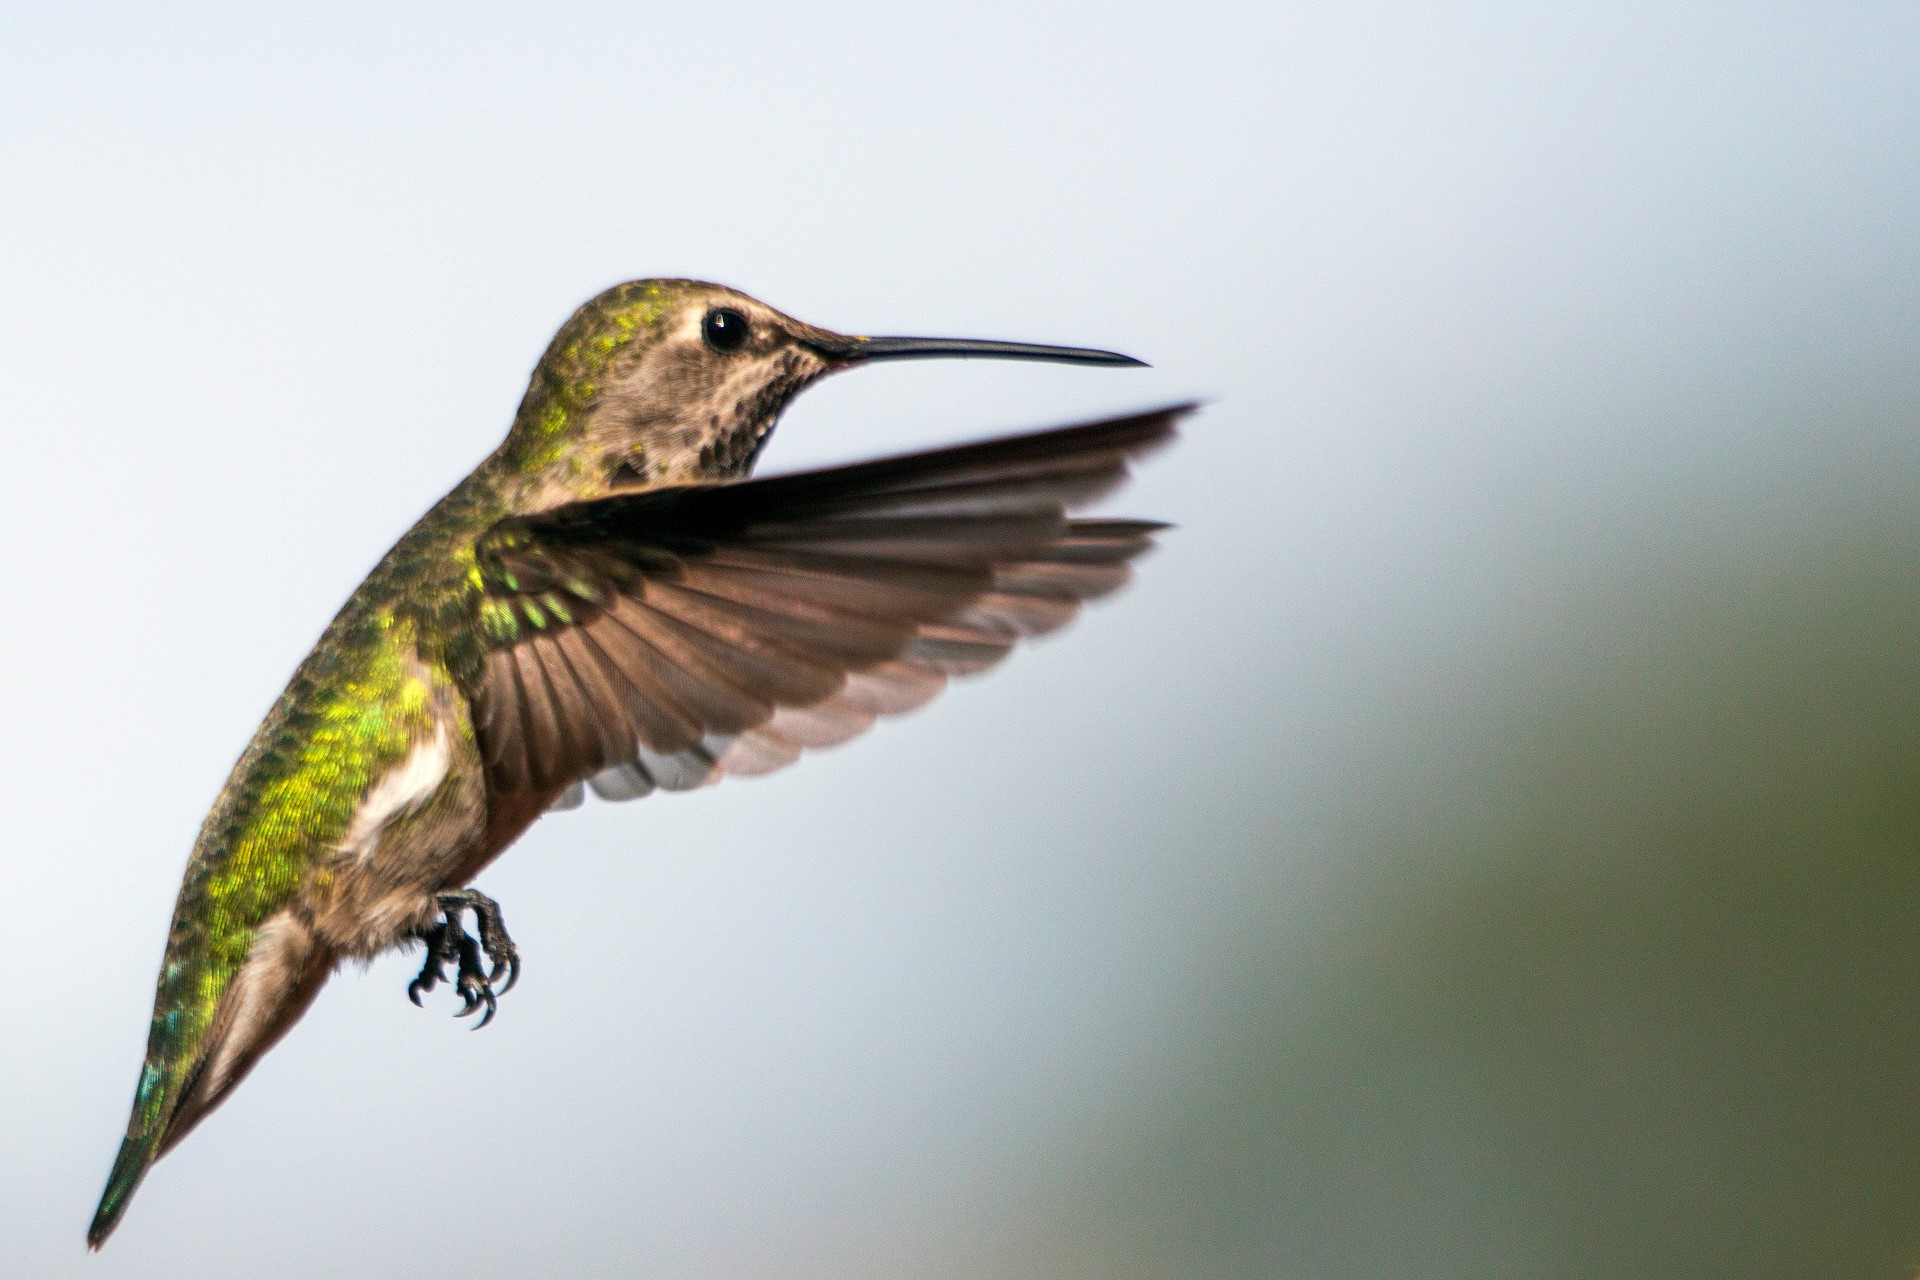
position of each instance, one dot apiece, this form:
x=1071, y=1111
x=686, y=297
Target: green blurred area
x=1628, y=987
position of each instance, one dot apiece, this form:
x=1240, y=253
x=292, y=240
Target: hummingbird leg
x=449, y=943
x=502, y=955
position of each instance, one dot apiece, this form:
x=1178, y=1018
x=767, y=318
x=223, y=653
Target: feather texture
x=663, y=639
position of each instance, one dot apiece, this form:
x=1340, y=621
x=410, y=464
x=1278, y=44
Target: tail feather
x=284, y=970
x=137, y=1154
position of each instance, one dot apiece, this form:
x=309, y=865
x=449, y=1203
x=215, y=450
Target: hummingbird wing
x=667, y=638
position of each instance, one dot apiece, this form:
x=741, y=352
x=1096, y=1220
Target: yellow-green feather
x=574, y=369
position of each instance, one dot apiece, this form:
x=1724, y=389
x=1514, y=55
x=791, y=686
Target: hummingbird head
x=678, y=381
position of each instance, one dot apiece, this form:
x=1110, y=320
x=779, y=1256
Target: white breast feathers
x=407, y=784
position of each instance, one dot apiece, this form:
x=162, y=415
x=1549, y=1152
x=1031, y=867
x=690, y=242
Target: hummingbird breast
x=413, y=829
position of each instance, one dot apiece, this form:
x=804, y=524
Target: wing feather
x=622, y=782
x=662, y=719
x=662, y=639
x=540, y=707
x=680, y=663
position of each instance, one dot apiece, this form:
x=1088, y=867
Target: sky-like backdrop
x=1481, y=843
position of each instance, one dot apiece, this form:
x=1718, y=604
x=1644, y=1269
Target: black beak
x=863, y=349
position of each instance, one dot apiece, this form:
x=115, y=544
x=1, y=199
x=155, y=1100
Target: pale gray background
x=1481, y=844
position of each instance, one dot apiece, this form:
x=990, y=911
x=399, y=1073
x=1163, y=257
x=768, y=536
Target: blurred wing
x=667, y=638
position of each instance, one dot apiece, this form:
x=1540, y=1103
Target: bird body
x=603, y=599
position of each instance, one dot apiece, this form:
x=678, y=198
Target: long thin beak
x=863, y=349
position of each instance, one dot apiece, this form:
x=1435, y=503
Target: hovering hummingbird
x=606, y=600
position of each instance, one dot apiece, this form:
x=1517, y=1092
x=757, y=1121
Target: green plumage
x=351, y=712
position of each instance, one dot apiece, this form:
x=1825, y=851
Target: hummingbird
x=607, y=601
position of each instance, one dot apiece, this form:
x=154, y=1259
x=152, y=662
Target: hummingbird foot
x=448, y=942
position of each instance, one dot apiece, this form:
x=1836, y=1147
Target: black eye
x=725, y=330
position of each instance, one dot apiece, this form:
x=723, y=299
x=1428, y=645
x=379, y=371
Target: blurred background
x=1483, y=843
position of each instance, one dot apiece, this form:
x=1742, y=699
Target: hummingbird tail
x=137, y=1154
x=285, y=968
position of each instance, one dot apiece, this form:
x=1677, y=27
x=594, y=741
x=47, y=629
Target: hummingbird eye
x=724, y=329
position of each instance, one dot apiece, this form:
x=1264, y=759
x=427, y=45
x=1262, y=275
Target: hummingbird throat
x=710, y=435
x=739, y=436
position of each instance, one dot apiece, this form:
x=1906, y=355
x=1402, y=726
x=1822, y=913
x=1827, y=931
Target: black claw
x=502, y=955
x=440, y=949
x=513, y=973
x=449, y=943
